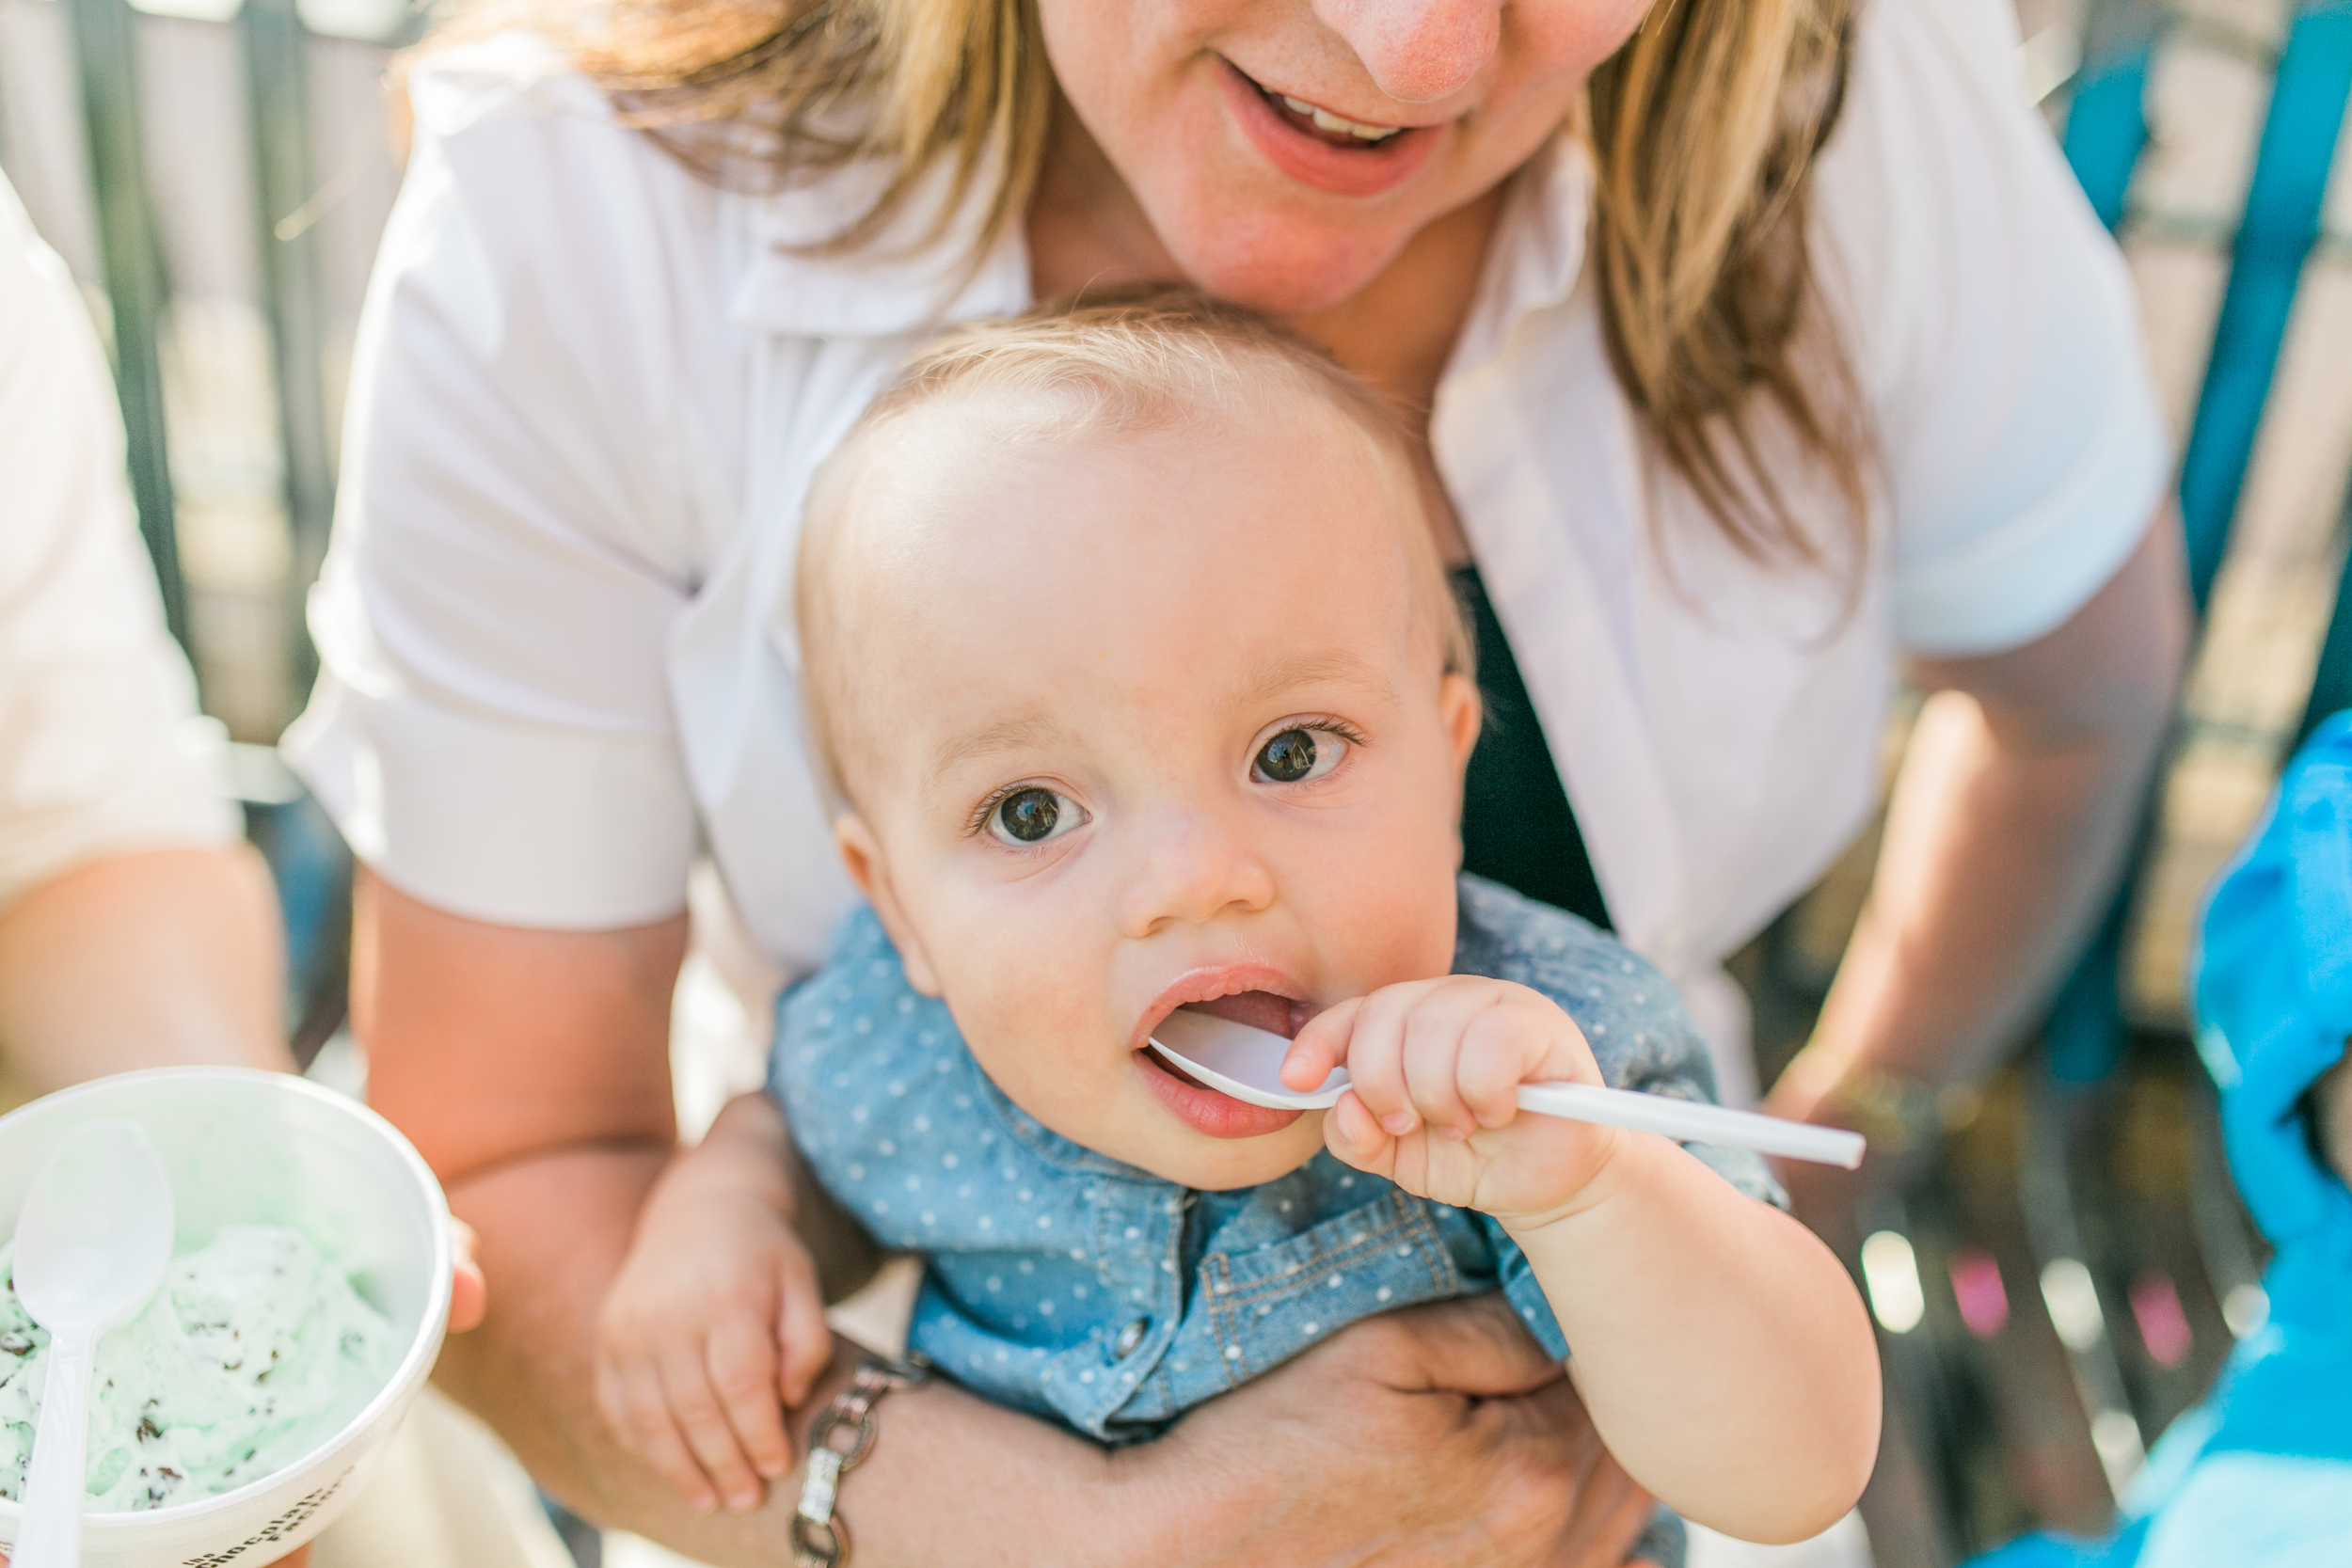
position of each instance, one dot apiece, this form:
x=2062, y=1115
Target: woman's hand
x=1437, y=1435
x=468, y=1295
x=1427, y=1438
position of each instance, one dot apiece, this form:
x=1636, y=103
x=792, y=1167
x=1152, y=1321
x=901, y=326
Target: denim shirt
x=1064, y=1282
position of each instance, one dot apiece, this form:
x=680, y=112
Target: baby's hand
x=1435, y=1067
x=714, y=1323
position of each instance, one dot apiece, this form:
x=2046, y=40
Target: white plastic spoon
x=1247, y=1063
x=91, y=1243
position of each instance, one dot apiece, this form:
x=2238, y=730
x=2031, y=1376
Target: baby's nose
x=1195, y=870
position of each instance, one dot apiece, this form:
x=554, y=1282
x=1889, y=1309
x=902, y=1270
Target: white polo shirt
x=101, y=752
x=590, y=388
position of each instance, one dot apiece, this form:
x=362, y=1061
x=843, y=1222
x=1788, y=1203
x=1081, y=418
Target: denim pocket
x=1270, y=1302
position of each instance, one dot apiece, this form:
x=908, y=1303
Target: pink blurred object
x=2163, y=1325
x=1977, y=1286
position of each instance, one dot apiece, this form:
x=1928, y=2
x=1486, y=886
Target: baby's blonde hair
x=1129, y=363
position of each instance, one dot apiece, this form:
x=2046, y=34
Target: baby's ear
x=1461, y=710
x=860, y=852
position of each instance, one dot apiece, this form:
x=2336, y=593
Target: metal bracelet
x=842, y=1437
x=1898, y=1113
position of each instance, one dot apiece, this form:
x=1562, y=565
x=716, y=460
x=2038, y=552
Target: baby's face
x=1143, y=720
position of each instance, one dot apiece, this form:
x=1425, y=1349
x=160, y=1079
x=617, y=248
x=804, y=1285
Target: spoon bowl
x=1247, y=1063
x=91, y=1243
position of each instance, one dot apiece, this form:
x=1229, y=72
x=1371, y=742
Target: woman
x=1760, y=352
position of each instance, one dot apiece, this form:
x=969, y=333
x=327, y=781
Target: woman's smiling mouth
x=1322, y=147
x=1305, y=115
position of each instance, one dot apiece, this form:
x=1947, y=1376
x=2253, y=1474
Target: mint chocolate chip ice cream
x=254, y=1352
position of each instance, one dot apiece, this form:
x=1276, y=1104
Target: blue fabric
x=1066, y=1283
x=2274, y=990
x=2260, y=1475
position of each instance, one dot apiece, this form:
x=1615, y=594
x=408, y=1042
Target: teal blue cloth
x=2260, y=1475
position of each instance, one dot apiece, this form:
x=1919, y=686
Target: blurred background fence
x=216, y=172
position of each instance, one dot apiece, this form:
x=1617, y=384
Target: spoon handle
x=51, y=1535
x=1689, y=1121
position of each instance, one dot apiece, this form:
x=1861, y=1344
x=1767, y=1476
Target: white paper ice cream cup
x=248, y=1148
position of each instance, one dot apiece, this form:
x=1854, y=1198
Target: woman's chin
x=1281, y=271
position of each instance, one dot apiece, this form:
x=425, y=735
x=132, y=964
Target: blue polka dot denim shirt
x=1066, y=1283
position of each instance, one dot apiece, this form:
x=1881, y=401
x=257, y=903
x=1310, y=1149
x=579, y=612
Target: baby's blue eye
x=1296, y=756
x=1028, y=816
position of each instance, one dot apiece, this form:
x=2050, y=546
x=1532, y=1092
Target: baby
x=1140, y=687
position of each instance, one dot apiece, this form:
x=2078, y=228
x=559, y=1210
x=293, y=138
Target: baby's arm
x=716, y=1320
x=1723, y=1352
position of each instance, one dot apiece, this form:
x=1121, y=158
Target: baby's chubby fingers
x=1376, y=1054
x=640, y=1417
x=1321, y=1046
x=1523, y=1038
x=1436, y=1031
x=694, y=1404
x=1496, y=1057
x=743, y=1362
x=805, y=1341
x=1356, y=1139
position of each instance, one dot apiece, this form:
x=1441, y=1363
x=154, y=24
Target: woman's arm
x=531, y=1068
x=2009, y=826
x=164, y=958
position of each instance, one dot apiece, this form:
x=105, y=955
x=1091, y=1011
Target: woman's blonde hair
x=1703, y=126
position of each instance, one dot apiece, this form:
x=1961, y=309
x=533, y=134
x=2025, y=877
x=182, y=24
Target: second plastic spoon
x=91, y=1243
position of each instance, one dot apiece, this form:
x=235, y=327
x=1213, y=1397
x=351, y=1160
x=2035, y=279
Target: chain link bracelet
x=842, y=1437
x=1899, y=1114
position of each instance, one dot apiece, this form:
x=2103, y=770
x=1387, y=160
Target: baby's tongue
x=1260, y=1009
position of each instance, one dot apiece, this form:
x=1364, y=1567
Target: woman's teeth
x=1326, y=121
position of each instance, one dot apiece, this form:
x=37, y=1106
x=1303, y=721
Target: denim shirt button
x=1130, y=1337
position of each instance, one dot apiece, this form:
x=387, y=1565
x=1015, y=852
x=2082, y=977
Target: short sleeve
x=523, y=510
x=1997, y=341
x=102, y=750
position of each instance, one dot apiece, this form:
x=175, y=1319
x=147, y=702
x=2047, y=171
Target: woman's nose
x=1417, y=51
x=1194, y=872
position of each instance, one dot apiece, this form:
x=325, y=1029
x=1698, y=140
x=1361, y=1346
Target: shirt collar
x=898, y=284
x=1538, y=252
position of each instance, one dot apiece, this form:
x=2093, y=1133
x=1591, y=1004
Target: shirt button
x=1130, y=1337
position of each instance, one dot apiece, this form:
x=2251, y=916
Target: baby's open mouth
x=1260, y=1009
x=1154, y=1059
x=1211, y=1110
